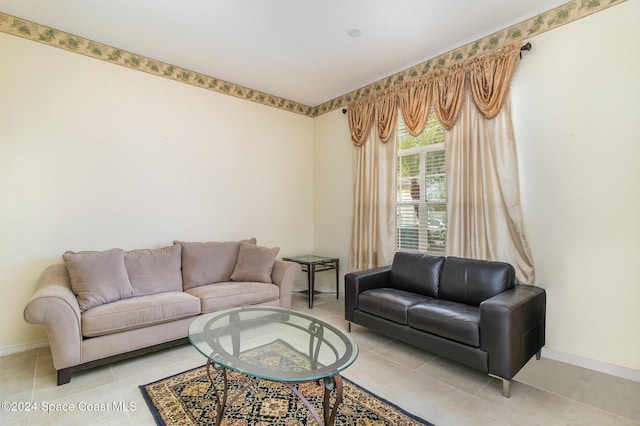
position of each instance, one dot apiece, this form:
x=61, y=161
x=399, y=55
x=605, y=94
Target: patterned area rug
x=189, y=399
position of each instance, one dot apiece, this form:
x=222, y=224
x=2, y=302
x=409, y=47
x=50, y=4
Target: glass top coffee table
x=245, y=339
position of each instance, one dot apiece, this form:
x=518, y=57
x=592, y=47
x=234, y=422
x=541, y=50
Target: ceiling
x=299, y=50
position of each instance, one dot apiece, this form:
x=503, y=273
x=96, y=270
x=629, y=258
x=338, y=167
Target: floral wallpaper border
x=546, y=21
x=42, y=34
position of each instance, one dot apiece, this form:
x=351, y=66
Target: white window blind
x=421, y=189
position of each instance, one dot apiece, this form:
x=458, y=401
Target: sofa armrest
x=284, y=274
x=357, y=282
x=55, y=307
x=512, y=328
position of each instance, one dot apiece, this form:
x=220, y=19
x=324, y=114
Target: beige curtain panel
x=483, y=193
x=373, y=229
x=483, y=204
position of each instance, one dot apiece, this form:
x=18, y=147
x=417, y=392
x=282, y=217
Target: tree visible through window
x=421, y=189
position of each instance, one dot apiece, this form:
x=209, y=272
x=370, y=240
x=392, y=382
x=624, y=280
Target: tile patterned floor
x=545, y=392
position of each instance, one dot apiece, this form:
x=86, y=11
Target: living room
x=95, y=156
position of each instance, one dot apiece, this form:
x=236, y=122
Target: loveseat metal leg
x=506, y=388
x=539, y=354
x=349, y=326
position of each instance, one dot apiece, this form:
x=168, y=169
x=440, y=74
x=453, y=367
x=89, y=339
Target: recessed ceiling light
x=354, y=32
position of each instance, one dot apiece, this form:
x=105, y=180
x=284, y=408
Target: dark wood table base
x=312, y=264
x=328, y=411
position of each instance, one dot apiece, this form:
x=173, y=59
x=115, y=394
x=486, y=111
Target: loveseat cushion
x=416, y=273
x=154, y=271
x=451, y=320
x=215, y=297
x=472, y=281
x=98, y=277
x=254, y=263
x=389, y=303
x=138, y=312
x=208, y=262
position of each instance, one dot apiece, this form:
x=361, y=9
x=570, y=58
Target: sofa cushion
x=389, y=303
x=472, y=281
x=451, y=320
x=417, y=273
x=154, y=271
x=138, y=312
x=215, y=297
x=98, y=277
x=255, y=263
x=208, y=262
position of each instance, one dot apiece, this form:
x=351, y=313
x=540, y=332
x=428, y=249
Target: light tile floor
x=545, y=392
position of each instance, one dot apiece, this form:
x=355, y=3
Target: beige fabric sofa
x=101, y=307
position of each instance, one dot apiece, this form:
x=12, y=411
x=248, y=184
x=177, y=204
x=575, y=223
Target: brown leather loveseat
x=470, y=311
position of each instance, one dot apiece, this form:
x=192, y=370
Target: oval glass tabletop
x=273, y=343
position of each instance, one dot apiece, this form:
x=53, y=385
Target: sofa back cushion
x=154, y=271
x=98, y=277
x=472, y=281
x=416, y=273
x=254, y=263
x=208, y=262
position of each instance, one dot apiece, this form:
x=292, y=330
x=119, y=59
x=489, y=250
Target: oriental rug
x=188, y=398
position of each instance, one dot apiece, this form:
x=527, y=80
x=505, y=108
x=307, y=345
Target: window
x=421, y=189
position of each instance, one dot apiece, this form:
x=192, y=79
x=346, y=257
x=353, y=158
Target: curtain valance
x=488, y=78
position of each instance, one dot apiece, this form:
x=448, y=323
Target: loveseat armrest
x=284, y=275
x=55, y=307
x=512, y=328
x=359, y=281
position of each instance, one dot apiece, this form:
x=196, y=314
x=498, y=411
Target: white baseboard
x=602, y=367
x=13, y=349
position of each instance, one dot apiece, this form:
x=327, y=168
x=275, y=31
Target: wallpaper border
x=32, y=31
x=539, y=24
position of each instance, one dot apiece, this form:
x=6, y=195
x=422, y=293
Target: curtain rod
x=525, y=47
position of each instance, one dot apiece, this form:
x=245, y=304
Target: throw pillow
x=209, y=262
x=255, y=263
x=154, y=271
x=98, y=277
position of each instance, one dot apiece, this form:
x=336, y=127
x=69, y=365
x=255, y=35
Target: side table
x=311, y=264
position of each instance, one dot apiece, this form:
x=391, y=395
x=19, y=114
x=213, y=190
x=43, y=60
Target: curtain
x=483, y=206
x=483, y=202
x=415, y=102
x=447, y=96
x=489, y=79
x=373, y=231
x=360, y=121
x=386, y=112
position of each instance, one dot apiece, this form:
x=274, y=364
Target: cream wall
x=576, y=112
x=576, y=107
x=95, y=156
x=333, y=193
